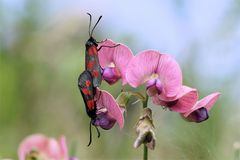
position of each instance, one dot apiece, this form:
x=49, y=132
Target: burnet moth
x=91, y=57
x=91, y=78
x=88, y=91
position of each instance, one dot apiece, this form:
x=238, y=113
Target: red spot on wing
x=90, y=104
x=88, y=83
x=86, y=91
x=95, y=73
x=91, y=64
x=92, y=50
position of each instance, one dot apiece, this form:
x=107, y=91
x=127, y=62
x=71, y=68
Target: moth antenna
x=90, y=132
x=97, y=131
x=90, y=23
x=95, y=25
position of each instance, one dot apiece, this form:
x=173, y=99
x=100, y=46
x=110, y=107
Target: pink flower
x=160, y=71
x=199, y=112
x=108, y=111
x=42, y=147
x=182, y=102
x=114, y=61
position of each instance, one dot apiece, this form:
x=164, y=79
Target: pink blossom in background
x=45, y=147
x=114, y=61
x=160, y=72
x=182, y=102
x=199, y=112
x=108, y=111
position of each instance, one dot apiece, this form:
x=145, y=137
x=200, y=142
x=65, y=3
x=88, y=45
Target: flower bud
x=104, y=120
x=198, y=115
x=144, y=130
x=111, y=75
x=153, y=87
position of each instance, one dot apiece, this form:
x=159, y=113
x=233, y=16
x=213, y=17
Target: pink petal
x=206, y=102
x=142, y=66
x=36, y=141
x=48, y=146
x=170, y=75
x=182, y=102
x=119, y=56
x=107, y=100
x=53, y=149
x=63, y=146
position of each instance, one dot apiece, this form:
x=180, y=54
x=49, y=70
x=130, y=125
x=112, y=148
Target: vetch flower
x=182, y=102
x=114, y=61
x=40, y=147
x=144, y=130
x=199, y=112
x=108, y=111
x=161, y=73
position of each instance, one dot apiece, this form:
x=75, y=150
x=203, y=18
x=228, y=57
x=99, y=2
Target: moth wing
x=93, y=65
x=88, y=91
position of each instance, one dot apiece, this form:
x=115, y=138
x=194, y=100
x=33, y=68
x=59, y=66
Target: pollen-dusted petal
x=119, y=56
x=45, y=146
x=142, y=66
x=207, y=102
x=182, y=102
x=36, y=141
x=106, y=100
x=170, y=75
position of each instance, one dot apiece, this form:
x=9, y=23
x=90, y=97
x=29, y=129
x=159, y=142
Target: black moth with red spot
x=91, y=57
x=85, y=85
x=91, y=78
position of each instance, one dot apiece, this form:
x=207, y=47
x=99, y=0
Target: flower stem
x=145, y=103
x=145, y=149
x=145, y=152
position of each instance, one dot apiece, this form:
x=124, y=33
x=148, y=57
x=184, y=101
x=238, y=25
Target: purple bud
x=154, y=87
x=151, y=83
x=111, y=75
x=198, y=115
x=159, y=86
x=104, y=120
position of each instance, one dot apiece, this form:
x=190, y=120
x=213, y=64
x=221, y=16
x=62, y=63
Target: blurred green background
x=42, y=55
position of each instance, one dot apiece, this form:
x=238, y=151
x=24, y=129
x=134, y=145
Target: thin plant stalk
x=145, y=149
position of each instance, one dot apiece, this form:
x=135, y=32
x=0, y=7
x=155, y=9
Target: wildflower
x=144, y=129
x=108, y=111
x=161, y=73
x=40, y=147
x=114, y=61
x=182, y=102
x=199, y=112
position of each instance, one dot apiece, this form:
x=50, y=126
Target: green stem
x=145, y=103
x=145, y=152
x=145, y=149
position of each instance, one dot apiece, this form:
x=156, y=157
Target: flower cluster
x=162, y=76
